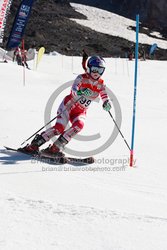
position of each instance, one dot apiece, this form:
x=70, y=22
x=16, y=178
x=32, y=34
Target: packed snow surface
x=107, y=205
x=103, y=206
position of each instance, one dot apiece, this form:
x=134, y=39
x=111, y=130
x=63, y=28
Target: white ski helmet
x=96, y=64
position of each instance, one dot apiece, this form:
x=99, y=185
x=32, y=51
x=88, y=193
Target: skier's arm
x=105, y=99
x=76, y=91
x=76, y=85
x=86, y=92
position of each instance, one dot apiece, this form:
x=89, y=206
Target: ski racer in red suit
x=85, y=89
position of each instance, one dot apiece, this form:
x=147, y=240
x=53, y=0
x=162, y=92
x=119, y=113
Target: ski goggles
x=97, y=70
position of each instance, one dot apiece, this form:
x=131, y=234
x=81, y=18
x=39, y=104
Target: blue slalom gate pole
x=135, y=91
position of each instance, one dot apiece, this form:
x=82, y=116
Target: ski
x=56, y=160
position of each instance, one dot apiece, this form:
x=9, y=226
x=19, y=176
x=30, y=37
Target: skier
x=86, y=88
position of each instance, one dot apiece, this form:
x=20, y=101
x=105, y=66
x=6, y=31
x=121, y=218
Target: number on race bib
x=85, y=102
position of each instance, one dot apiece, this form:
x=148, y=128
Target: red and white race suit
x=73, y=107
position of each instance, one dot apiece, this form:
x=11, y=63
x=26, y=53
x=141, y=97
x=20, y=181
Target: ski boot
x=56, y=149
x=33, y=148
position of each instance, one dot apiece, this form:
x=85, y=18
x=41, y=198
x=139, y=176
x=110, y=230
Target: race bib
x=84, y=102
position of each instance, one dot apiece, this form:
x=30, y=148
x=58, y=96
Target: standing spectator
x=24, y=58
x=142, y=54
x=84, y=59
x=17, y=56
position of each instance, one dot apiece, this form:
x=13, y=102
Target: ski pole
x=119, y=130
x=40, y=129
x=48, y=123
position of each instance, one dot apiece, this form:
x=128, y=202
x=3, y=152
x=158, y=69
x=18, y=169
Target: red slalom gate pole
x=23, y=60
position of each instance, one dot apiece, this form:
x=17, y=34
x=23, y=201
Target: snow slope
x=106, y=206
x=113, y=24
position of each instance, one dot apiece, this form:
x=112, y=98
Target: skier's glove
x=86, y=92
x=107, y=105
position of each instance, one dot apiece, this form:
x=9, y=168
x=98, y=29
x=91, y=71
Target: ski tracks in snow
x=67, y=226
